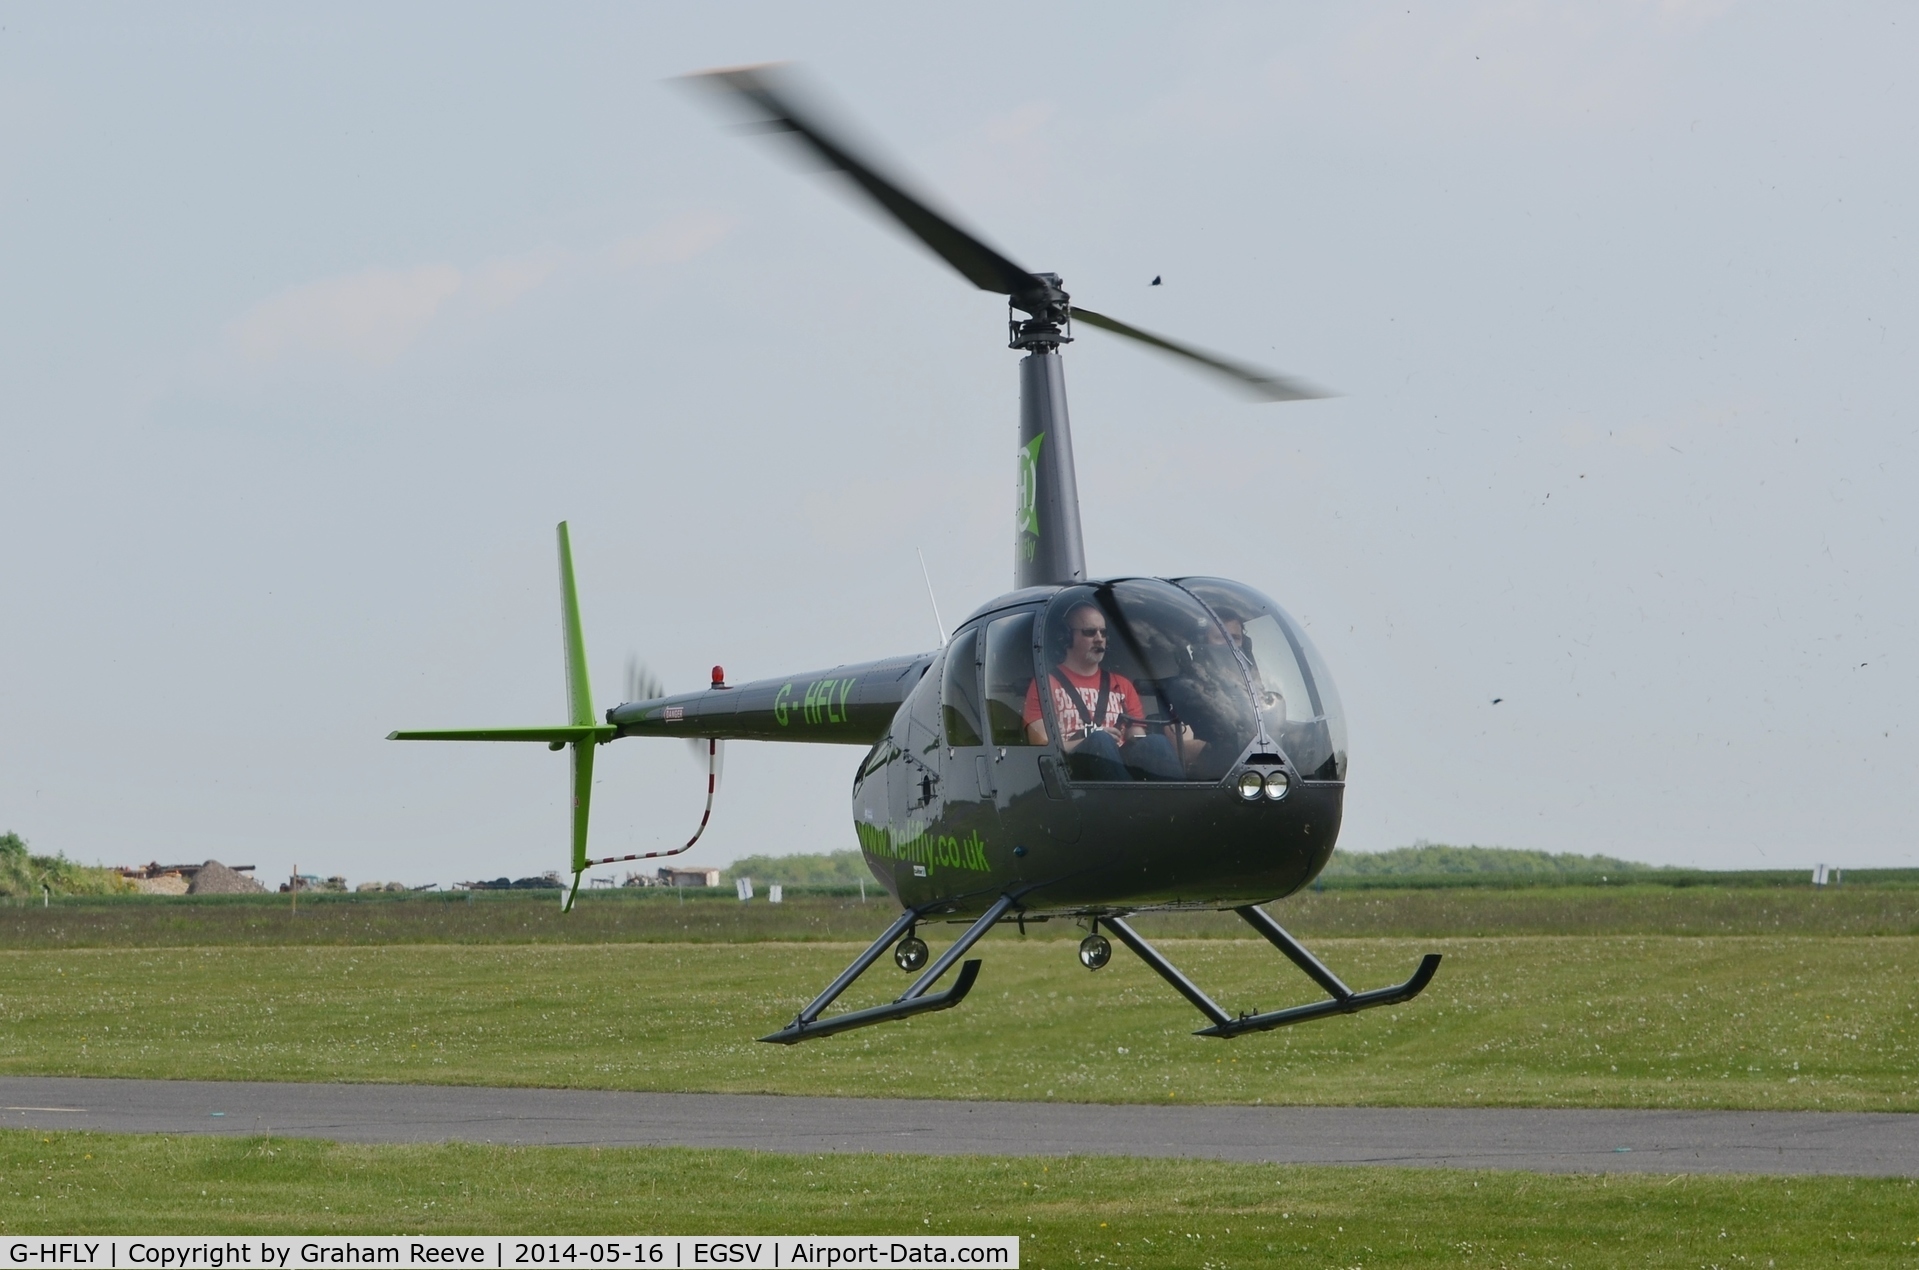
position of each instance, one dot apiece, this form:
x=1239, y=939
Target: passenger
x=1235, y=630
x=1270, y=700
x=1098, y=710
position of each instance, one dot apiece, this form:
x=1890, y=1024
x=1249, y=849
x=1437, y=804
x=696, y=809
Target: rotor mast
x=1048, y=547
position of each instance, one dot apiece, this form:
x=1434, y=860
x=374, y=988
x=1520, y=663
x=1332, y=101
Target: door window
x=1009, y=674
x=923, y=715
x=959, y=693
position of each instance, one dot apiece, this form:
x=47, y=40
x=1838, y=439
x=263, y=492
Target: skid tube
x=807, y=1024
x=1341, y=999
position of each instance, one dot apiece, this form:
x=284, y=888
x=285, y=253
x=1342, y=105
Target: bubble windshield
x=1297, y=696
x=1138, y=682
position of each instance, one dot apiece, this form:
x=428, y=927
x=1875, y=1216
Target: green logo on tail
x=1026, y=513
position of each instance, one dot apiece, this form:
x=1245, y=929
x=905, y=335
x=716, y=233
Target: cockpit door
x=918, y=779
x=970, y=816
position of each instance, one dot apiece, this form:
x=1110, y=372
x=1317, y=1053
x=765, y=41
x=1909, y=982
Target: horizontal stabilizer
x=561, y=734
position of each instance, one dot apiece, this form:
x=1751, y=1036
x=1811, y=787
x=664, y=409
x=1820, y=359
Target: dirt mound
x=214, y=878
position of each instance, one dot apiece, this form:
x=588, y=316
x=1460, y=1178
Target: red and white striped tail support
x=712, y=783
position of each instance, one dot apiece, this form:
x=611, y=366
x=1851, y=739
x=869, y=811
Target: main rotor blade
x=981, y=265
x=1262, y=385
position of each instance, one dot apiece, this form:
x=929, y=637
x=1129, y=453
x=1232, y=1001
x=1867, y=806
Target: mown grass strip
x=1068, y=1212
x=657, y=917
x=1629, y=1021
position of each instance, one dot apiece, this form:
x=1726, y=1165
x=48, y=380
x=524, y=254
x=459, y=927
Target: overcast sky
x=318, y=318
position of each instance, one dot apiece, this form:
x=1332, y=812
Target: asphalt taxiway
x=1541, y=1140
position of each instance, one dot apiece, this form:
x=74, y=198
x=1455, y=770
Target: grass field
x=1068, y=1212
x=1659, y=1021
x=470, y=918
x=1727, y=996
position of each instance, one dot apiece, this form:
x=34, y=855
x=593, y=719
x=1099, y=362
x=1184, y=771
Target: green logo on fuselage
x=913, y=844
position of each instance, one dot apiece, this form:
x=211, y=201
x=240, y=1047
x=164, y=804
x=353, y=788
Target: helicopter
x=1079, y=748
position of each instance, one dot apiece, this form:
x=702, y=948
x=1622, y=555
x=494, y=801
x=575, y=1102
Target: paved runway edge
x=1861, y=1144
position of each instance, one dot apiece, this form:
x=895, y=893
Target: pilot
x=1099, y=710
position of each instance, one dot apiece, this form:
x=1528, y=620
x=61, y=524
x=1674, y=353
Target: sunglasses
x=1090, y=631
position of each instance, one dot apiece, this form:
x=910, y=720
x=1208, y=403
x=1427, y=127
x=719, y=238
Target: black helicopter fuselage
x=954, y=804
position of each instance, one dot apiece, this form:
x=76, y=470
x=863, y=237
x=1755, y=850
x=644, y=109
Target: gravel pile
x=214, y=878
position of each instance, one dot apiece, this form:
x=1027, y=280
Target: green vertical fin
x=579, y=692
x=579, y=708
x=580, y=733
x=582, y=757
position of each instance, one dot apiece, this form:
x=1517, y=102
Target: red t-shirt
x=1122, y=700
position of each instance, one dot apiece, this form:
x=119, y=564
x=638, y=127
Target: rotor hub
x=1049, y=315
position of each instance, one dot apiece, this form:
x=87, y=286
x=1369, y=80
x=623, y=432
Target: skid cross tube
x=1343, y=999
x=858, y=968
x=1260, y=920
x=1167, y=970
x=914, y=1000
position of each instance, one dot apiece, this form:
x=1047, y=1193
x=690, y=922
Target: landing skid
x=807, y=1024
x=1342, y=999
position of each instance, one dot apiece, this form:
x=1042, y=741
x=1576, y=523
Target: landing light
x=1251, y=786
x=910, y=953
x=1278, y=785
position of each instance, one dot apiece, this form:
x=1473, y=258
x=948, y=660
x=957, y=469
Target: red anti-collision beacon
x=719, y=676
